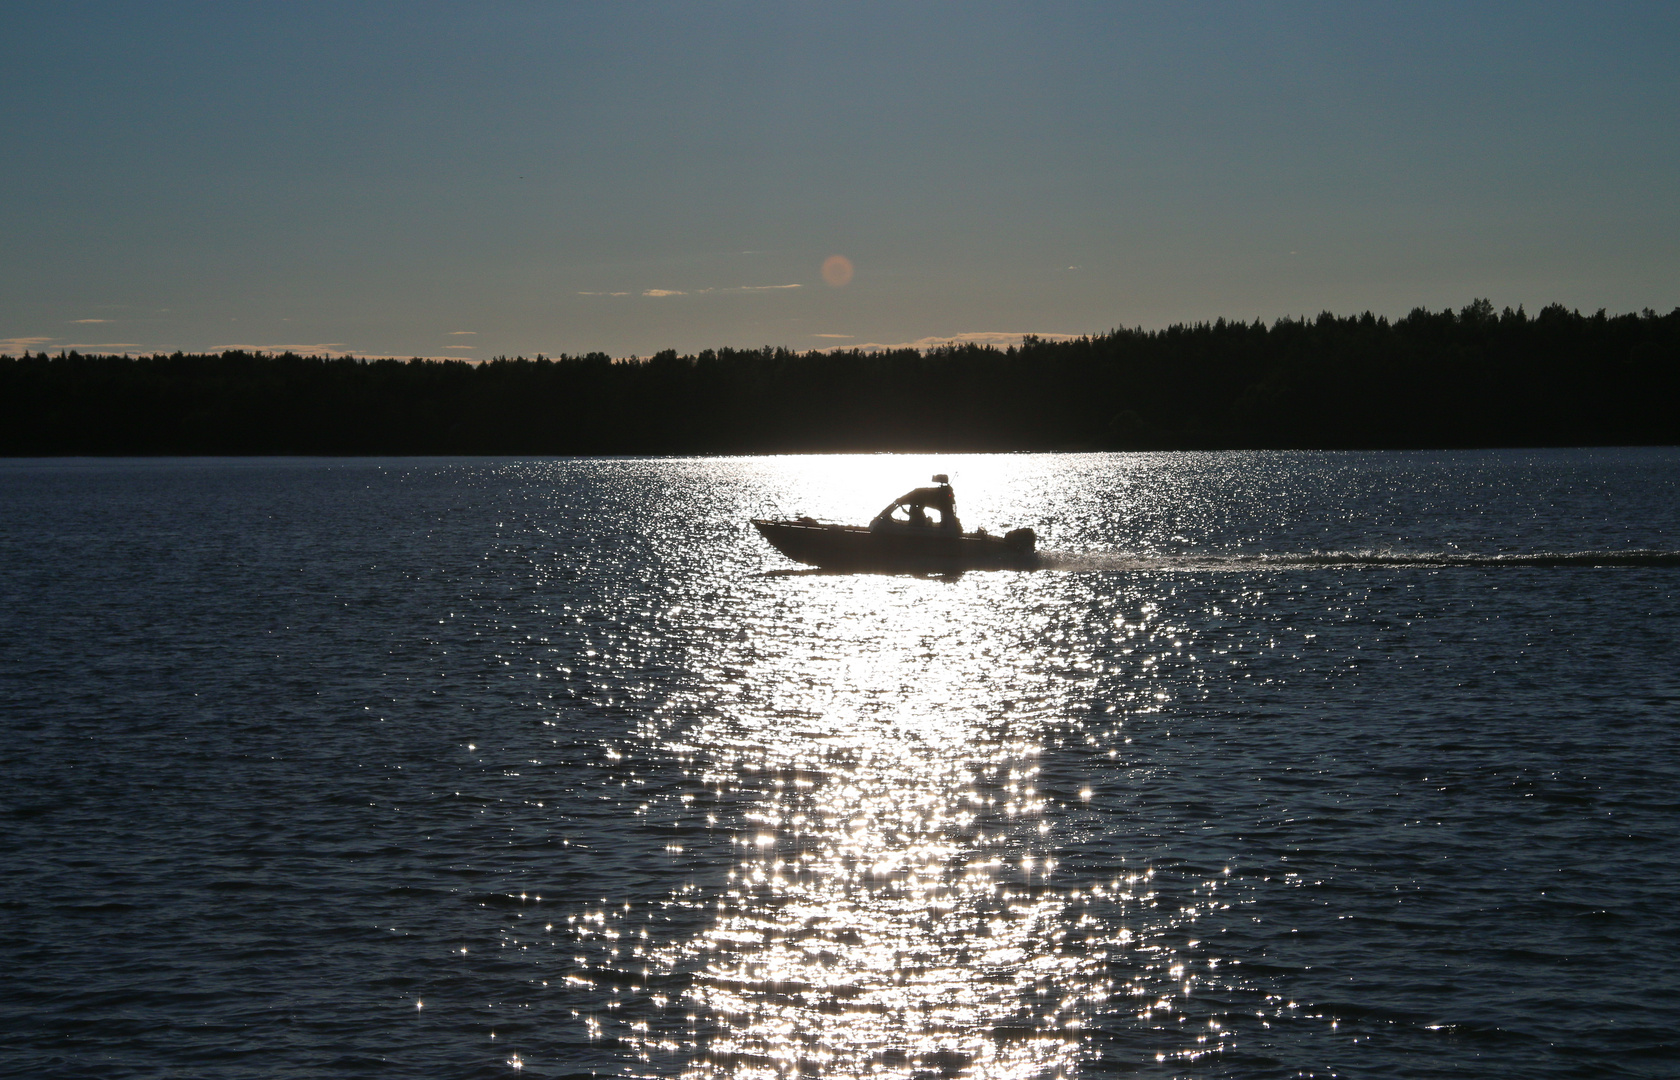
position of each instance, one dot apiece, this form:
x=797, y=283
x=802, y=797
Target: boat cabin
x=910, y=510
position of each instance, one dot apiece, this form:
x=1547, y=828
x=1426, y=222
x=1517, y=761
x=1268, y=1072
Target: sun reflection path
x=876, y=927
x=916, y=841
x=873, y=925
x=892, y=909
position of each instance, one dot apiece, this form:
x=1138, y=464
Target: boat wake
x=1315, y=560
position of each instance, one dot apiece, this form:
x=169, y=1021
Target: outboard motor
x=1022, y=540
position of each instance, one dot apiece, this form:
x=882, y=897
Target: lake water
x=1291, y=765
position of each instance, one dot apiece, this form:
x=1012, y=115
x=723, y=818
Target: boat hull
x=924, y=550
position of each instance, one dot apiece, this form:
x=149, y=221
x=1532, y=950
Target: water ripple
x=1321, y=764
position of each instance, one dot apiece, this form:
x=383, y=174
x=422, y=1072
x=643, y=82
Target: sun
x=837, y=270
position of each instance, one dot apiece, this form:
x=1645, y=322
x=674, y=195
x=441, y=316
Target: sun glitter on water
x=891, y=909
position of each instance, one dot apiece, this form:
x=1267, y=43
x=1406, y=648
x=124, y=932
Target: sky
x=518, y=178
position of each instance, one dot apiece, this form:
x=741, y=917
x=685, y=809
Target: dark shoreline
x=1471, y=379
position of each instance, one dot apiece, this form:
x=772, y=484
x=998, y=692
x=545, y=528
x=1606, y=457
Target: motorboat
x=903, y=537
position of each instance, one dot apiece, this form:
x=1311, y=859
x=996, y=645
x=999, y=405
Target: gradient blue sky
x=475, y=179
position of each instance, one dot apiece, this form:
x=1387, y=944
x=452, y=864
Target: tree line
x=1431, y=379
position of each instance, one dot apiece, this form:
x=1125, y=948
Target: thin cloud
x=659, y=293
x=332, y=349
x=846, y=336
x=85, y=322
x=461, y=333
x=324, y=348
x=460, y=346
x=996, y=338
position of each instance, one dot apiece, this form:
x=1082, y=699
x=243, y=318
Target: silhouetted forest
x=1432, y=379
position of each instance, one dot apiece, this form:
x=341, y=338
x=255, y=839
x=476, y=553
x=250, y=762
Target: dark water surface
x=1295, y=764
